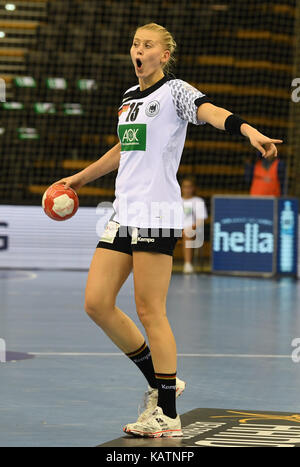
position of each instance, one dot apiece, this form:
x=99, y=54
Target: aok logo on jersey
x=133, y=137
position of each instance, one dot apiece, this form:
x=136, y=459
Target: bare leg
x=152, y=273
x=108, y=272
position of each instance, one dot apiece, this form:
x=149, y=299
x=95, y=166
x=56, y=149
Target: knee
x=144, y=316
x=91, y=307
x=98, y=309
x=150, y=314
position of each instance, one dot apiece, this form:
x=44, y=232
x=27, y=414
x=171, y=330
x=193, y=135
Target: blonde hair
x=167, y=41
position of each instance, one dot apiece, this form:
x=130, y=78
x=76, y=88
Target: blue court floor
x=234, y=342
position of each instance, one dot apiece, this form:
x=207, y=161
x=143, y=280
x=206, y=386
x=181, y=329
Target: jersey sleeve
x=186, y=100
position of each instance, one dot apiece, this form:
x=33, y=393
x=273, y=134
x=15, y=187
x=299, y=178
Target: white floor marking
x=193, y=355
x=27, y=275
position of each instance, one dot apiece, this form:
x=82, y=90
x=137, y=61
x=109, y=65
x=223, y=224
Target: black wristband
x=233, y=124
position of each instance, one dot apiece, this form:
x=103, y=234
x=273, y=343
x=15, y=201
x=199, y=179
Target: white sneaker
x=151, y=397
x=188, y=268
x=157, y=425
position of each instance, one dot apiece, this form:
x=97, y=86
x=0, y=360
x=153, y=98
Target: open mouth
x=138, y=63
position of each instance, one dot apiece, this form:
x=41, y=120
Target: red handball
x=60, y=203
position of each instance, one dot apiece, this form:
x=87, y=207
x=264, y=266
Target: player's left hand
x=266, y=146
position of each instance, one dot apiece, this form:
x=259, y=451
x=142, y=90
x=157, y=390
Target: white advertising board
x=29, y=239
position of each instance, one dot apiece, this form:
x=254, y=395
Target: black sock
x=166, y=385
x=142, y=358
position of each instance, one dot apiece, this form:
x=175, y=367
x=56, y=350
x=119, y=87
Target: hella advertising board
x=244, y=232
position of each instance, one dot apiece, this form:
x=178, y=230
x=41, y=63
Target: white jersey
x=194, y=211
x=152, y=130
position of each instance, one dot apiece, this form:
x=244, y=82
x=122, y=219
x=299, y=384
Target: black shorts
x=129, y=239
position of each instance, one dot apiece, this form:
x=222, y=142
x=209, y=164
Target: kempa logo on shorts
x=133, y=136
x=148, y=240
x=152, y=109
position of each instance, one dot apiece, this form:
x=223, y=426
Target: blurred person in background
x=193, y=220
x=265, y=177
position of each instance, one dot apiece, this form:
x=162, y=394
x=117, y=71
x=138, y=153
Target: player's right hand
x=75, y=182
